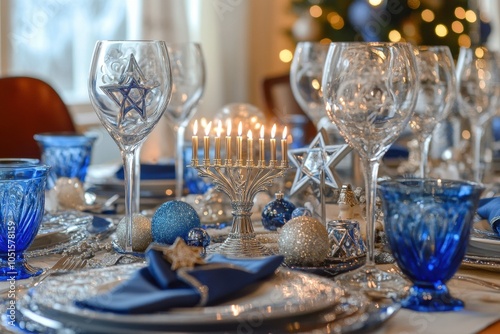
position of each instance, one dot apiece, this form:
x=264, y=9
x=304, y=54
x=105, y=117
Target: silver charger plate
x=286, y=294
x=483, y=251
x=332, y=267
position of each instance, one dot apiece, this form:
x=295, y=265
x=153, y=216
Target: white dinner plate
x=286, y=294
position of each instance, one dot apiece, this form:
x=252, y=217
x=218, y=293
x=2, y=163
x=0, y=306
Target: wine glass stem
x=137, y=181
x=129, y=172
x=477, y=134
x=424, y=156
x=179, y=161
x=371, y=174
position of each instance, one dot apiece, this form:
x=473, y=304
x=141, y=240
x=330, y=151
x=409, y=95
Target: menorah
x=241, y=180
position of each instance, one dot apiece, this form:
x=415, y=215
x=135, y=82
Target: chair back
x=29, y=106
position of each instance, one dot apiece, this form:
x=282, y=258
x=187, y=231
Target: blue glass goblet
x=428, y=223
x=22, y=199
x=68, y=154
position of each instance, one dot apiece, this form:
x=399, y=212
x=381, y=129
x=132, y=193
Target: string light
x=470, y=16
x=394, y=36
x=315, y=11
x=286, y=55
x=460, y=13
x=428, y=15
x=441, y=30
x=457, y=27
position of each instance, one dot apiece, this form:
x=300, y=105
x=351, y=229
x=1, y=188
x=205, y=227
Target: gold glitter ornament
x=141, y=233
x=303, y=241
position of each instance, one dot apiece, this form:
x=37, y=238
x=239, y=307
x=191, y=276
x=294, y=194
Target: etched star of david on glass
x=131, y=91
x=312, y=160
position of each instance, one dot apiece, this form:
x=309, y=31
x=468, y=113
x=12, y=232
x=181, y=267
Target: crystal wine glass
x=370, y=90
x=306, y=74
x=436, y=95
x=477, y=76
x=129, y=86
x=188, y=84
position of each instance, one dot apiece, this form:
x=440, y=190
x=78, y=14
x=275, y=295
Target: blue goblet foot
x=16, y=268
x=433, y=298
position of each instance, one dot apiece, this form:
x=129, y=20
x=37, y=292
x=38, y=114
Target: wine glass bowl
x=188, y=85
x=427, y=224
x=436, y=95
x=306, y=73
x=370, y=91
x=129, y=88
x=478, y=78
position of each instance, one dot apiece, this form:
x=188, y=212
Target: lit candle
x=273, y=143
x=261, y=146
x=228, y=142
x=217, y=143
x=239, y=143
x=284, y=147
x=249, y=148
x=206, y=143
x=194, y=141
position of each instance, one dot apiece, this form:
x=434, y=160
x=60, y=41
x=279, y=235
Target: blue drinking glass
x=428, y=223
x=68, y=154
x=22, y=200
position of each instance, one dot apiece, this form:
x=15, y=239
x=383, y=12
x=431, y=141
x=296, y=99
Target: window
x=54, y=39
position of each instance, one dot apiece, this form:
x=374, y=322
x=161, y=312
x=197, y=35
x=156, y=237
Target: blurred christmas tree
x=424, y=22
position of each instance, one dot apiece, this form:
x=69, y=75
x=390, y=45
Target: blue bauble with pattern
x=198, y=237
x=173, y=219
x=301, y=211
x=277, y=212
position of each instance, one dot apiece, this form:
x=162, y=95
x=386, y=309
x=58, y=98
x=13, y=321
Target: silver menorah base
x=241, y=184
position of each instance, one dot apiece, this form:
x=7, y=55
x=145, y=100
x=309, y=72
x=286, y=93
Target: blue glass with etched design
x=428, y=223
x=22, y=199
x=68, y=154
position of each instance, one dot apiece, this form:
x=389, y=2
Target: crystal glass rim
x=448, y=183
x=64, y=138
x=371, y=43
x=152, y=41
x=18, y=161
x=17, y=172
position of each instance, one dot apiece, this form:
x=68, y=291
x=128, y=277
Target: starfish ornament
x=131, y=91
x=310, y=161
x=180, y=255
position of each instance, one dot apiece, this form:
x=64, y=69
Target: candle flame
x=219, y=128
x=195, y=127
x=284, y=133
x=273, y=131
x=262, y=131
x=228, y=125
x=240, y=129
x=249, y=134
x=207, y=128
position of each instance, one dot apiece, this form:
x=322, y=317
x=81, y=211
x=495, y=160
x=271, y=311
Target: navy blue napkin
x=153, y=172
x=489, y=208
x=157, y=288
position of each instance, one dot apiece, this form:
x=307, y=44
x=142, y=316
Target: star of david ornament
x=180, y=255
x=131, y=91
x=312, y=160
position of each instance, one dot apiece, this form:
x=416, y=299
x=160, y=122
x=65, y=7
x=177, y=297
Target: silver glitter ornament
x=303, y=241
x=70, y=193
x=141, y=233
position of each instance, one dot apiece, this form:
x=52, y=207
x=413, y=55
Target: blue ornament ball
x=276, y=213
x=301, y=211
x=198, y=237
x=173, y=219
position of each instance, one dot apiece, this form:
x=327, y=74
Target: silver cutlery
x=65, y=264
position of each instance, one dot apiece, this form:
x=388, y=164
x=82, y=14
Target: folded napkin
x=158, y=288
x=153, y=172
x=489, y=208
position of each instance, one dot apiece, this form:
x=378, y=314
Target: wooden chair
x=281, y=105
x=29, y=106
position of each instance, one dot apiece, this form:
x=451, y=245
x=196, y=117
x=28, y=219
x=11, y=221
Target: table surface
x=481, y=313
